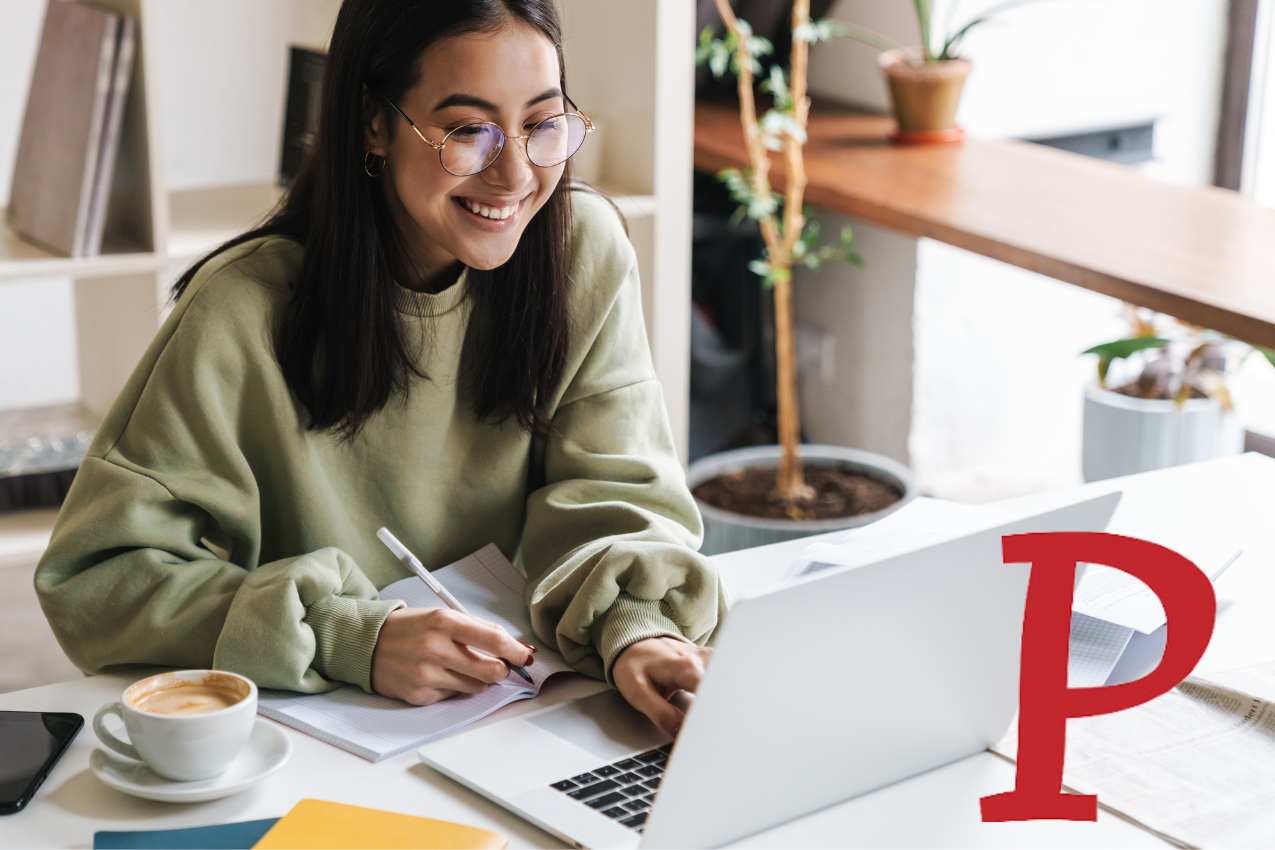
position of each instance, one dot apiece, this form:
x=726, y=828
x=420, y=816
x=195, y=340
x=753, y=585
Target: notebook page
x=1117, y=597
x=377, y=727
x=1093, y=650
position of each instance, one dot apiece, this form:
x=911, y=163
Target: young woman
x=433, y=332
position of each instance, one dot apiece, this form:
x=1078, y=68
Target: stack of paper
x=1117, y=624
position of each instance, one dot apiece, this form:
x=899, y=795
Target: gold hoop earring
x=369, y=159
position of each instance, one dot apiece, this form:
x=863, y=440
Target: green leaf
x=858, y=33
x=1268, y=353
x=775, y=124
x=778, y=86
x=823, y=30
x=1126, y=347
x=760, y=268
x=954, y=40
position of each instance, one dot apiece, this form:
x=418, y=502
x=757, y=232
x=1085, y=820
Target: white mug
x=183, y=747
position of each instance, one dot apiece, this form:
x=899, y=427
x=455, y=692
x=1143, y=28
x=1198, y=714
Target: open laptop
x=820, y=689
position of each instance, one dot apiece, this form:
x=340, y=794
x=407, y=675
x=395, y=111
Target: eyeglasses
x=471, y=148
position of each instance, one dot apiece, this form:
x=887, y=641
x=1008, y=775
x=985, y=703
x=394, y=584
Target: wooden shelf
x=1201, y=254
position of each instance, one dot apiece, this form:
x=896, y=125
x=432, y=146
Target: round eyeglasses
x=471, y=148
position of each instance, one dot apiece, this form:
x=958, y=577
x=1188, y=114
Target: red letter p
x=1045, y=701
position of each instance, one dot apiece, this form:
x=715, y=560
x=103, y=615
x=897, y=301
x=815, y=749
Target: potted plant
x=925, y=82
x=1168, y=404
x=760, y=495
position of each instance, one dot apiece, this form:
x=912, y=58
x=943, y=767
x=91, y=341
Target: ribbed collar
x=432, y=304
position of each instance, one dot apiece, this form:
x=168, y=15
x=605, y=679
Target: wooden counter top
x=1202, y=254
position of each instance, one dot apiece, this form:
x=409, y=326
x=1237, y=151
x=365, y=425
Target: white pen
x=414, y=564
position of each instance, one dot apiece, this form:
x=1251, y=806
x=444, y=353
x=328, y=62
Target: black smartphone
x=31, y=742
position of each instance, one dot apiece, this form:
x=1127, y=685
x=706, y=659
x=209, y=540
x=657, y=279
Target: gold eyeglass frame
x=438, y=146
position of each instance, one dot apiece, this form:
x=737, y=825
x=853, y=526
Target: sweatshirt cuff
x=628, y=621
x=345, y=633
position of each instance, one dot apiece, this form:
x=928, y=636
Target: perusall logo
x=1045, y=701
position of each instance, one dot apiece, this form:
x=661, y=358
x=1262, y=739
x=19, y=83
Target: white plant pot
x=1124, y=435
x=725, y=531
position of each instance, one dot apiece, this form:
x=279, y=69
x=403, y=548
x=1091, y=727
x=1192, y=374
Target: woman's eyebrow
x=479, y=103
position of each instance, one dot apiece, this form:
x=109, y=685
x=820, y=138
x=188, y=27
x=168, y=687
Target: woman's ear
x=375, y=134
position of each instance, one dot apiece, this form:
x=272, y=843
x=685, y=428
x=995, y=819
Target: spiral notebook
x=377, y=727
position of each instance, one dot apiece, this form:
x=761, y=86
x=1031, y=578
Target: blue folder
x=226, y=836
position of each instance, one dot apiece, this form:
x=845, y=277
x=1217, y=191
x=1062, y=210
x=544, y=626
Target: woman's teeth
x=499, y=214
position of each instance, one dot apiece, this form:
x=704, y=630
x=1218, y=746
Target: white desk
x=1233, y=498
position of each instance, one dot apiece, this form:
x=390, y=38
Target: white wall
x=997, y=376
x=864, y=400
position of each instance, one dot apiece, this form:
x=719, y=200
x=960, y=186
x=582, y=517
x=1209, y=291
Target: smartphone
x=31, y=742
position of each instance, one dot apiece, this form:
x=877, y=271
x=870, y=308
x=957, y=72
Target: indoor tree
x=790, y=233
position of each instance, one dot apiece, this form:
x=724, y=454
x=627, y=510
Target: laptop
x=820, y=689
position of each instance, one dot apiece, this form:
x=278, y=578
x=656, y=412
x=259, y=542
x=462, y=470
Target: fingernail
x=529, y=646
x=530, y=660
x=677, y=730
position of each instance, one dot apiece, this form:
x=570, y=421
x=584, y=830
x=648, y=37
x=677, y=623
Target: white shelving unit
x=629, y=66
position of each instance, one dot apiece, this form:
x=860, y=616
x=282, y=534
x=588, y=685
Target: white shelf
x=20, y=260
x=202, y=219
x=24, y=535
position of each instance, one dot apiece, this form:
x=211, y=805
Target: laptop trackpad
x=604, y=724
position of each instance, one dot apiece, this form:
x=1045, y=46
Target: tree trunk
x=789, y=483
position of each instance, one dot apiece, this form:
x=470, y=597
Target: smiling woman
x=435, y=331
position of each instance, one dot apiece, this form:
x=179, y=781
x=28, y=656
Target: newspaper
x=1196, y=765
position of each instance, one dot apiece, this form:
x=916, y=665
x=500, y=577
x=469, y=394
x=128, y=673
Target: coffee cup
x=186, y=725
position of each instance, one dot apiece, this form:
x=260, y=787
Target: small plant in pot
x=926, y=82
x=1161, y=397
x=761, y=495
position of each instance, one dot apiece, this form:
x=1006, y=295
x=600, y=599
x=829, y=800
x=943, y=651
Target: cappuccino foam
x=187, y=699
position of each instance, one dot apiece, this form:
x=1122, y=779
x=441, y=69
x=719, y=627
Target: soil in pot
x=838, y=493
x=1158, y=391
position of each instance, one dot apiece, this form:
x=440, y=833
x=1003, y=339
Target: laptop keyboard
x=623, y=791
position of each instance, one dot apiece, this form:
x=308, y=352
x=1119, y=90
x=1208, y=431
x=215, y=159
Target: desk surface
x=1199, y=253
x=1231, y=497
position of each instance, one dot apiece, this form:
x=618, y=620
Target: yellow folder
x=320, y=825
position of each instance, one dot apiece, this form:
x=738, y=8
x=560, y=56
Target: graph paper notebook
x=377, y=727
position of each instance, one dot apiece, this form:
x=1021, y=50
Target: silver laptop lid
x=845, y=681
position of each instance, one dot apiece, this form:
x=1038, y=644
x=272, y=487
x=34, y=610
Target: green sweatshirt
x=208, y=528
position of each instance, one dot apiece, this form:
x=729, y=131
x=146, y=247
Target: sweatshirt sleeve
x=156, y=557
x=611, y=535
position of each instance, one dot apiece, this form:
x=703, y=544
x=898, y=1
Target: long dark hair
x=340, y=343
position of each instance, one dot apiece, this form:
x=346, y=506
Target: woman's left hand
x=652, y=670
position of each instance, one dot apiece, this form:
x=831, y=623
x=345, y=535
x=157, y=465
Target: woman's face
x=509, y=78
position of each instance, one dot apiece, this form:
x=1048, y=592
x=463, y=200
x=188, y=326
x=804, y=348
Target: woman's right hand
x=424, y=655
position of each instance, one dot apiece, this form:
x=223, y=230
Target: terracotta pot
x=925, y=96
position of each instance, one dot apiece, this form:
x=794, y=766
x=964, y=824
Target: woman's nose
x=511, y=169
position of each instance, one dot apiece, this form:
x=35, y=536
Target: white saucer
x=266, y=751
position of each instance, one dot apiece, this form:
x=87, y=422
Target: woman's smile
x=488, y=214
